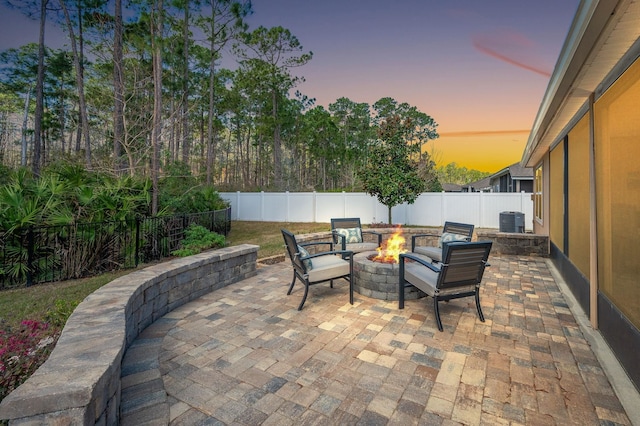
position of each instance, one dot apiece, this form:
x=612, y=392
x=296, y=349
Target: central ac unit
x=512, y=222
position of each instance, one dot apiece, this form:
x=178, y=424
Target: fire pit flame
x=390, y=250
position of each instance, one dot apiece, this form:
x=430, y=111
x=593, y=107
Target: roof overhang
x=601, y=34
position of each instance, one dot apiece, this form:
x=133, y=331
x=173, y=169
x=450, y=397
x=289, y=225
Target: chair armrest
x=339, y=239
x=433, y=267
x=416, y=236
x=317, y=243
x=344, y=253
x=378, y=234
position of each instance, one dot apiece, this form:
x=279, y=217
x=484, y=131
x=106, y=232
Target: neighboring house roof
x=600, y=36
x=517, y=172
x=451, y=187
x=480, y=185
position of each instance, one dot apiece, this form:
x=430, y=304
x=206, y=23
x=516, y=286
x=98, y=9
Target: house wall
x=607, y=291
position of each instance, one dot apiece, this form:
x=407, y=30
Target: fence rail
x=430, y=209
x=40, y=254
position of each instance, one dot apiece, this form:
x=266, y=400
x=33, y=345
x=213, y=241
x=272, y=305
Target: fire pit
x=376, y=273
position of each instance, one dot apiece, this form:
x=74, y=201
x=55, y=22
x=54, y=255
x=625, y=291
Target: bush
x=198, y=238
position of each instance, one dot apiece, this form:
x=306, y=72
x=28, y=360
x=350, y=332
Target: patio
x=244, y=355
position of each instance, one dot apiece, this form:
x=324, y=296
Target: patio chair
x=319, y=267
x=452, y=231
x=348, y=233
x=458, y=275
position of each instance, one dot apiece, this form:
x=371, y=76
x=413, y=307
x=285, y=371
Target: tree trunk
x=118, y=88
x=37, y=125
x=210, y=130
x=25, y=119
x=185, y=88
x=156, y=36
x=277, y=144
x=82, y=105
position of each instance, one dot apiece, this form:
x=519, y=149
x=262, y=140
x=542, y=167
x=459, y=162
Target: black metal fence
x=39, y=254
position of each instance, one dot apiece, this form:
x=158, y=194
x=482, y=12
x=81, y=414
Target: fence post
x=30, y=256
x=481, y=210
x=314, y=219
x=137, y=241
x=286, y=218
x=238, y=205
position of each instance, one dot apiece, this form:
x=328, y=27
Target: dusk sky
x=479, y=68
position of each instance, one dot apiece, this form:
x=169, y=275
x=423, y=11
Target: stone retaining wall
x=80, y=382
x=522, y=244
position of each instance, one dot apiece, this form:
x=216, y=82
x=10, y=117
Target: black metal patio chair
x=349, y=235
x=452, y=231
x=458, y=275
x=317, y=268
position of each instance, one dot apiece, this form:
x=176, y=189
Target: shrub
x=198, y=238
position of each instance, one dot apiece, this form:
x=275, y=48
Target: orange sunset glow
x=487, y=151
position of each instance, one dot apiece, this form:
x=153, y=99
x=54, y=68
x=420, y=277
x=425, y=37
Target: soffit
x=593, y=48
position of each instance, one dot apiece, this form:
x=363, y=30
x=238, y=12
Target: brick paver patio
x=244, y=355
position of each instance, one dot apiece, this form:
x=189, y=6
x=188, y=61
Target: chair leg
x=437, y=312
x=293, y=281
x=304, y=297
x=401, y=286
x=331, y=284
x=351, y=289
x=478, y=305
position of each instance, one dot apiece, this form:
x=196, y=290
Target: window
x=537, y=193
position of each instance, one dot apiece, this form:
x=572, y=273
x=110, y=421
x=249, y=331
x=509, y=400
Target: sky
x=478, y=68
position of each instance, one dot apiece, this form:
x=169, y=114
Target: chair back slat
x=459, y=228
x=347, y=222
x=463, y=264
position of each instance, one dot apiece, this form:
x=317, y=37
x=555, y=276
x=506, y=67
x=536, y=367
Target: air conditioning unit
x=512, y=222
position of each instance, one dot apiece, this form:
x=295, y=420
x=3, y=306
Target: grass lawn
x=54, y=301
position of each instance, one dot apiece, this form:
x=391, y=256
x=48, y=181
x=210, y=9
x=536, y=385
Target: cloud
x=511, y=47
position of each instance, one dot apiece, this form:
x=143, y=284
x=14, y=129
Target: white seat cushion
x=433, y=253
x=328, y=267
x=360, y=247
x=426, y=280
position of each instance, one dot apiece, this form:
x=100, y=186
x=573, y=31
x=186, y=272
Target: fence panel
x=430, y=209
x=301, y=207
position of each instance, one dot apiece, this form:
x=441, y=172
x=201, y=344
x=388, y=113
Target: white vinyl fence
x=430, y=209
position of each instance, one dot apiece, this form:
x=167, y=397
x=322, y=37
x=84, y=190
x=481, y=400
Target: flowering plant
x=22, y=351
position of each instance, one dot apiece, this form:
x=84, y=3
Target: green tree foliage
x=270, y=54
x=460, y=175
x=397, y=171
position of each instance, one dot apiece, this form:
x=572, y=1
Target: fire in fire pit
x=390, y=250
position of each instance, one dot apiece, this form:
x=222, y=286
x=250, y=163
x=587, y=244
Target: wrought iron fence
x=39, y=254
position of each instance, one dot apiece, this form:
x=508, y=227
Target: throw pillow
x=351, y=235
x=307, y=262
x=448, y=237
